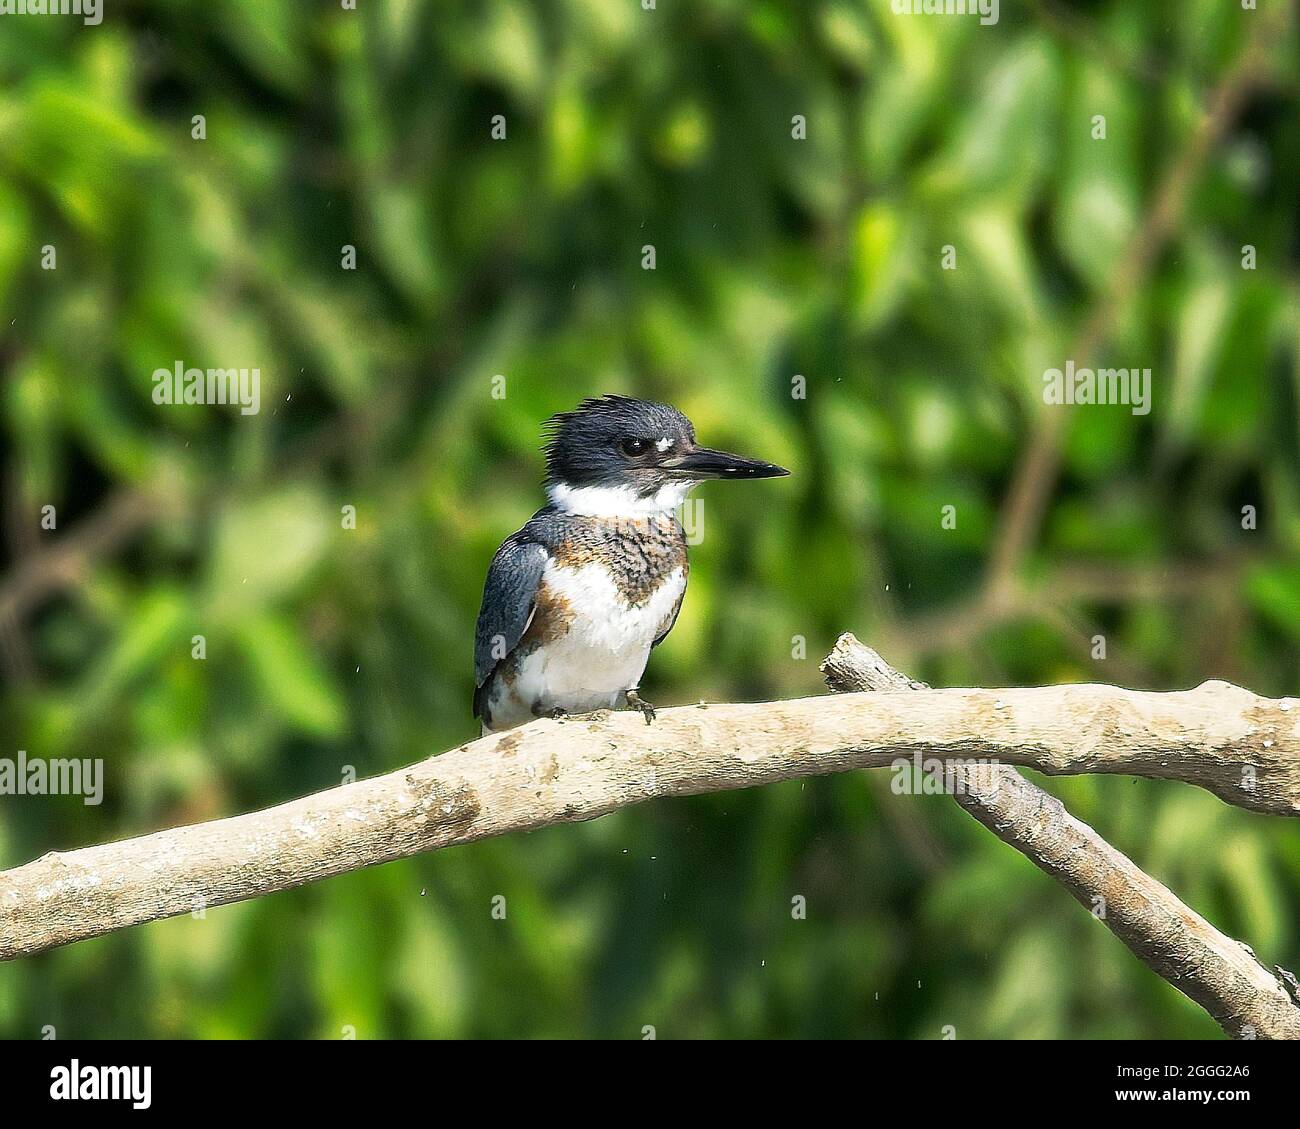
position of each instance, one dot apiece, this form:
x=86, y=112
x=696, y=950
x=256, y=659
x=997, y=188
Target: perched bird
x=577, y=598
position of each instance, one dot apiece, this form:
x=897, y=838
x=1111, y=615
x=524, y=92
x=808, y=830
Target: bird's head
x=619, y=456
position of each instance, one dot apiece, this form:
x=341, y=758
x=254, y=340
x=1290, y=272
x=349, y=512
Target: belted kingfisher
x=576, y=599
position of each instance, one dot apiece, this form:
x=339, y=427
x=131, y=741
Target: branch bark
x=1221, y=974
x=1243, y=748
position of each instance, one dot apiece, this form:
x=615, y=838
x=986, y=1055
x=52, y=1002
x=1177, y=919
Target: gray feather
x=509, y=597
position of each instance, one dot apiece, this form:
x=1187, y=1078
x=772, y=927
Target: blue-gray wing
x=509, y=599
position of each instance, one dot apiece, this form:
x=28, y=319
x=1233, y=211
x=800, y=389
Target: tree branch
x=1221, y=974
x=564, y=771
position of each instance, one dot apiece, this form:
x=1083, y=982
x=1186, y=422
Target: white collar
x=617, y=501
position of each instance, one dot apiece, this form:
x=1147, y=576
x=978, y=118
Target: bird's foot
x=638, y=703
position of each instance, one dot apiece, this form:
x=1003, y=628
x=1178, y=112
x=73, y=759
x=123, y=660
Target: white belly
x=601, y=655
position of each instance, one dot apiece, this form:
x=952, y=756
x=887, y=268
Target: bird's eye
x=632, y=446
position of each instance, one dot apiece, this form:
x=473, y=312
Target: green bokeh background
x=776, y=258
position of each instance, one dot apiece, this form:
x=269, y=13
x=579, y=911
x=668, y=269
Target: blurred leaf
x=264, y=549
x=1275, y=591
x=291, y=681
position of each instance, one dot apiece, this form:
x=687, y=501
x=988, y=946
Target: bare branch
x=562, y=771
x=1217, y=972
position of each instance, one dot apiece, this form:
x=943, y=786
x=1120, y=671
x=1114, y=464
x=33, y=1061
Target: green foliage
x=329, y=648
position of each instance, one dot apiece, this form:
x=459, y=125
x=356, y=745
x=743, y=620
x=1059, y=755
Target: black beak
x=702, y=462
